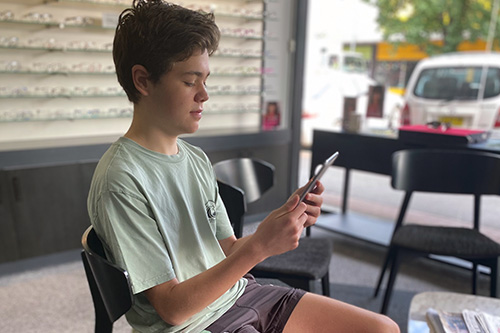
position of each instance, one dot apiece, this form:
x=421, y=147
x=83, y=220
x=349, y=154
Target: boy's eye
x=189, y=84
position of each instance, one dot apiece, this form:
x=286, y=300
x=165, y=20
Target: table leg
x=346, y=190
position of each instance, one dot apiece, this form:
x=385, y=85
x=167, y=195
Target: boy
x=154, y=201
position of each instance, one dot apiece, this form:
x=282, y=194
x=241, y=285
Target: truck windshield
x=354, y=64
x=456, y=83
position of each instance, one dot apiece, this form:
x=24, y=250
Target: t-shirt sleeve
x=133, y=240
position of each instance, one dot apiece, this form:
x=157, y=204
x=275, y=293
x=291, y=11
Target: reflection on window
x=394, y=73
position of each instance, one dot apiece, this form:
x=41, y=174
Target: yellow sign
x=411, y=52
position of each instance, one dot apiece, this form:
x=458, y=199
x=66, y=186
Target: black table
x=372, y=153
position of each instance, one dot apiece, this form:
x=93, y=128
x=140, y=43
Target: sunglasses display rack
x=56, y=66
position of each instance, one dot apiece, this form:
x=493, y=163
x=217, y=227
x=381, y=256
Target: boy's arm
x=175, y=301
x=231, y=244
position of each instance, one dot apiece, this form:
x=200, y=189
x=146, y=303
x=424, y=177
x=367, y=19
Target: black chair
x=109, y=284
x=245, y=180
x=443, y=171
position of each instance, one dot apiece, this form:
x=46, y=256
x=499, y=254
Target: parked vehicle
x=461, y=89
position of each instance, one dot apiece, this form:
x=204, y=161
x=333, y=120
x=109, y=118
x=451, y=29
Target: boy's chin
x=192, y=130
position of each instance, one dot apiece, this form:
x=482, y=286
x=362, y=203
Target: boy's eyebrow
x=199, y=74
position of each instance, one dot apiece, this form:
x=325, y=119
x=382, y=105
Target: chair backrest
x=254, y=177
x=234, y=200
x=242, y=181
x=109, y=284
x=446, y=171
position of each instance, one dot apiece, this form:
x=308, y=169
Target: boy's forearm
x=236, y=245
x=189, y=297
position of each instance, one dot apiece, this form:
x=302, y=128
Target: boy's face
x=177, y=99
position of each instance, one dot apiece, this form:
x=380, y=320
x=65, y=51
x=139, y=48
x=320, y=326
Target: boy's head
x=156, y=34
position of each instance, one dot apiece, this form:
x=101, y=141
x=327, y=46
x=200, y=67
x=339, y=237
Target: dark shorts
x=261, y=308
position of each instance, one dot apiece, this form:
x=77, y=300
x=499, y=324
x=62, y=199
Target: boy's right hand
x=281, y=230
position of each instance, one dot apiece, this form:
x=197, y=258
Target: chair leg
x=474, y=278
x=387, y=261
x=102, y=323
x=325, y=283
x=495, y=278
x=396, y=260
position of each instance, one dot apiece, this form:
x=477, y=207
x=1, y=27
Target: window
x=456, y=83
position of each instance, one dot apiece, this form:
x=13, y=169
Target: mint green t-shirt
x=160, y=217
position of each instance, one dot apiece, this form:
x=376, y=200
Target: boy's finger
x=319, y=188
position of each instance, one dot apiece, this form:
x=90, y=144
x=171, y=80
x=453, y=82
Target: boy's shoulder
x=112, y=165
x=192, y=149
x=114, y=155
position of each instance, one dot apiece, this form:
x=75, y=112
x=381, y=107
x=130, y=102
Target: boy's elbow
x=162, y=298
x=172, y=318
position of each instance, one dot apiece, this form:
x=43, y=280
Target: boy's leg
x=316, y=313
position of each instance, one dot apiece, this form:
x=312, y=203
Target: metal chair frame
x=441, y=171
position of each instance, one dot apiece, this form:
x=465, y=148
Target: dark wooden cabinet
x=9, y=246
x=44, y=208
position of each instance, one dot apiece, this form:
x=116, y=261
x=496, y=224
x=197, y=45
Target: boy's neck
x=152, y=139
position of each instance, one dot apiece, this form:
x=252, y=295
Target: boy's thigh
x=318, y=313
x=261, y=308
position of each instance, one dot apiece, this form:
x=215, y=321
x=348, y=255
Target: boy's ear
x=140, y=77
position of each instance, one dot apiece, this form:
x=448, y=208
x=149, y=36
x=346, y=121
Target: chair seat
x=311, y=259
x=459, y=242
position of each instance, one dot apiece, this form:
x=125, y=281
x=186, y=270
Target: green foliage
x=420, y=22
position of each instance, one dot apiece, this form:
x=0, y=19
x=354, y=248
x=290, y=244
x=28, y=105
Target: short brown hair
x=156, y=34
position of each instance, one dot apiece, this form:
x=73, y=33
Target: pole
x=489, y=46
x=493, y=25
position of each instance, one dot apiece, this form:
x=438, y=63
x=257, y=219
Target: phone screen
x=319, y=173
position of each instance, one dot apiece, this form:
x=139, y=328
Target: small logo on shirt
x=211, y=210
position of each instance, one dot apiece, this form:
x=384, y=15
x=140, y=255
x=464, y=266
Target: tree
x=436, y=26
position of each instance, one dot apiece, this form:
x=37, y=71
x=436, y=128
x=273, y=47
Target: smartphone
x=319, y=173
